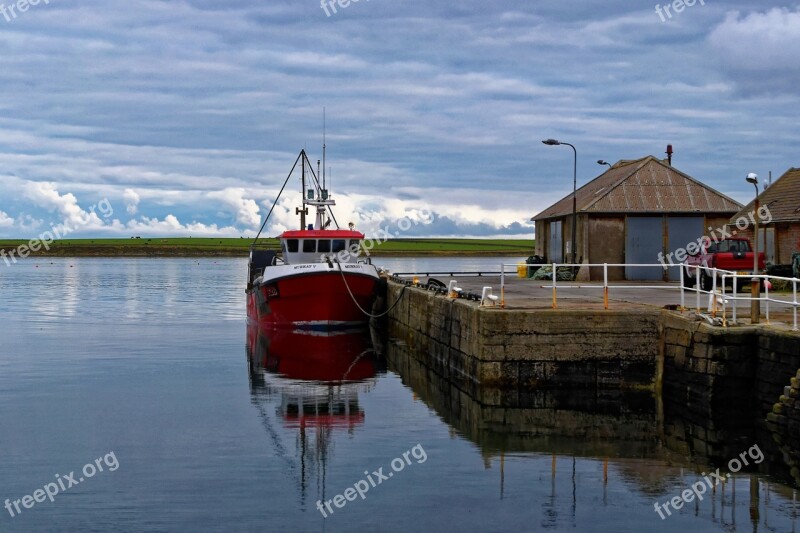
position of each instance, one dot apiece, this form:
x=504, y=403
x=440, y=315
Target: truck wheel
x=688, y=281
x=706, y=283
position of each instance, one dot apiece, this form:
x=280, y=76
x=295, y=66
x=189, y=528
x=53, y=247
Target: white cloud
x=131, y=199
x=170, y=226
x=209, y=131
x=245, y=209
x=432, y=212
x=46, y=195
x=760, y=49
x=5, y=220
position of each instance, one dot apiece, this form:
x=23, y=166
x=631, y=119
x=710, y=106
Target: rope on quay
x=435, y=288
x=347, y=286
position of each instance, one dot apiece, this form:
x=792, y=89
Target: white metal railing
x=718, y=299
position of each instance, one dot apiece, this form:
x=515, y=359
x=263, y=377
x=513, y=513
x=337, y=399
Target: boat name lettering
x=300, y=267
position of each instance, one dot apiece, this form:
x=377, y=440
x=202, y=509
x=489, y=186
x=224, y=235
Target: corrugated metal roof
x=645, y=185
x=782, y=198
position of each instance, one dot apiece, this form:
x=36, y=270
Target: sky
x=178, y=118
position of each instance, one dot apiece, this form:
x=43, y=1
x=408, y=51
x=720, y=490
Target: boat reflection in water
x=306, y=385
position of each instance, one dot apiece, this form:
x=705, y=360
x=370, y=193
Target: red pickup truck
x=735, y=255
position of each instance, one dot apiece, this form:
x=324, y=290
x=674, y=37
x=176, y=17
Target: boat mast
x=302, y=210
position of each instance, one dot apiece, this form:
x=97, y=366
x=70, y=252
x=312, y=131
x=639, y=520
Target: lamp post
x=603, y=162
x=553, y=142
x=755, y=290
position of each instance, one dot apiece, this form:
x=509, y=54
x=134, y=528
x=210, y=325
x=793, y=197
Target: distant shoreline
x=211, y=247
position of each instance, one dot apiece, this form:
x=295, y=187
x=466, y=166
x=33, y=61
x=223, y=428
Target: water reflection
x=306, y=387
x=647, y=452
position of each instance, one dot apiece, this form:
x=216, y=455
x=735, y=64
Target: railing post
x=683, y=296
x=555, y=303
x=794, y=290
x=605, y=285
x=713, y=294
x=735, y=295
x=697, y=288
x=766, y=289
x=502, y=285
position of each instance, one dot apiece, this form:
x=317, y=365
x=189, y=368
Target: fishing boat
x=318, y=279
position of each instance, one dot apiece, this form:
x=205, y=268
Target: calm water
x=142, y=365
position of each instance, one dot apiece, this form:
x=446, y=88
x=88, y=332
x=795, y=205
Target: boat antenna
x=317, y=182
x=302, y=210
x=324, y=147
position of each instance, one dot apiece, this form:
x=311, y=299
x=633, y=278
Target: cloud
x=131, y=199
x=5, y=220
x=245, y=210
x=170, y=226
x=760, y=49
x=46, y=195
x=424, y=212
x=208, y=132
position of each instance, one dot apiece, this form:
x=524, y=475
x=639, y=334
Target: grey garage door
x=643, y=243
x=554, y=253
x=682, y=231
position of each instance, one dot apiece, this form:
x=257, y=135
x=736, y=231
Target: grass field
x=239, y=247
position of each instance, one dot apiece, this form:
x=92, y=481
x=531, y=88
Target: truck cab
x=734, y=254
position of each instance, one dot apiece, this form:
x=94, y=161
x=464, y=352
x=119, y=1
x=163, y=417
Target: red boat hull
x=318, y=300
x=331, y=357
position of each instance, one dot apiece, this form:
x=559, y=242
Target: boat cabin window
x=324, y=246
x=338, y=245
x=309, y=246
x=292, y=245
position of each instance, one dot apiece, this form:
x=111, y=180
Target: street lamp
x=603, y=162
x=755, y=290
x=553, y=142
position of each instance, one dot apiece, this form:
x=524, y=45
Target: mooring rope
x=344, y=279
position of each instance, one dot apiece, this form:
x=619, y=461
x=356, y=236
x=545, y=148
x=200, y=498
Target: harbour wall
x=703, y=366
x=528, y=348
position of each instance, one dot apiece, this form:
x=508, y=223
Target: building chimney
x=669, y=154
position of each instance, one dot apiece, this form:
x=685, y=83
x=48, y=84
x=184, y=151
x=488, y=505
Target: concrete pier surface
x=526, y=293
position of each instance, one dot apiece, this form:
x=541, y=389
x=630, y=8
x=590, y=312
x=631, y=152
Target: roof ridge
x=766, y=195
x=644, y=161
